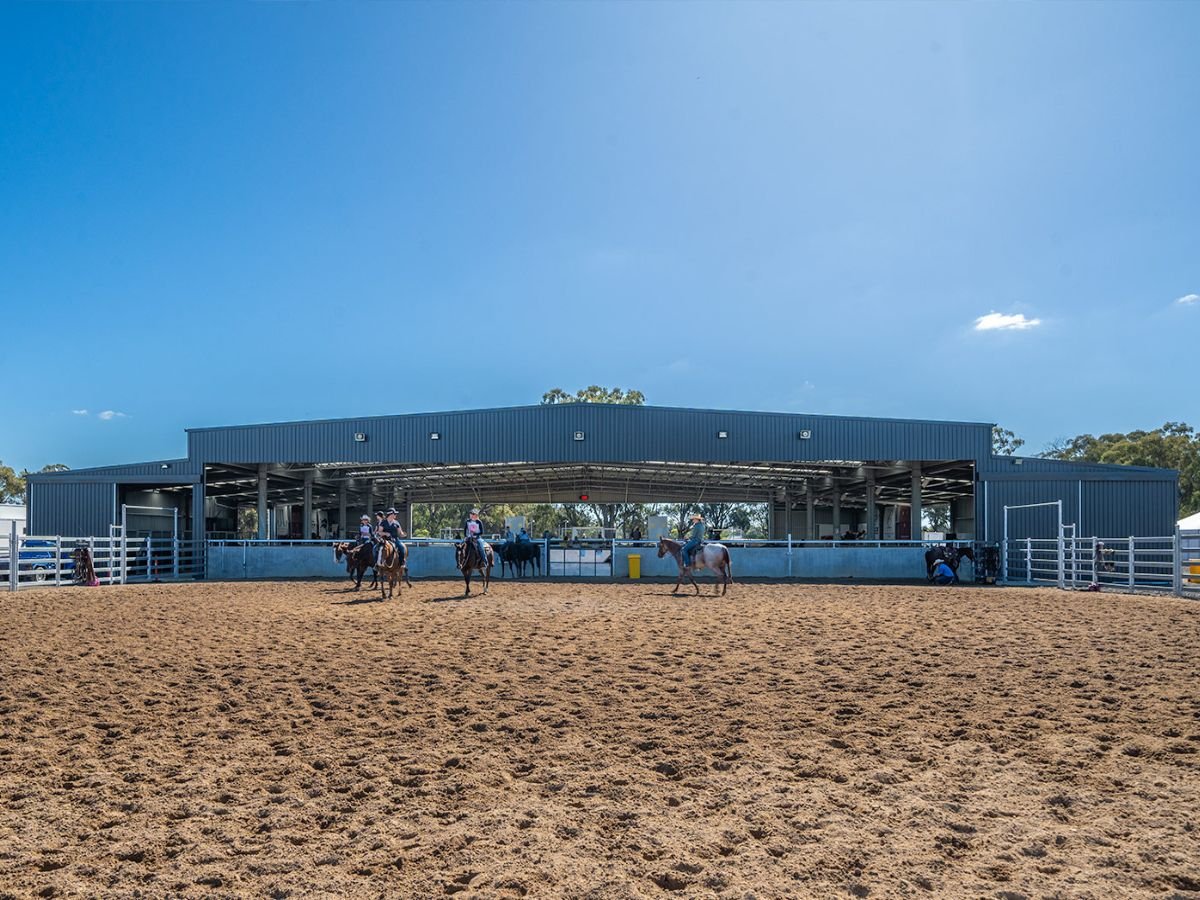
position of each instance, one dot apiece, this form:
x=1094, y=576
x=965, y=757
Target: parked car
x=40, y=561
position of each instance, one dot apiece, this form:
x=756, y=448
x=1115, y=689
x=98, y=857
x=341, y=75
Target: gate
x=583, y=558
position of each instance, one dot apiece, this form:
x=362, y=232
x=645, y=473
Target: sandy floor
x=598, y=741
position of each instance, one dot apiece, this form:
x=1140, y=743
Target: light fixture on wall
x=165, y=466
x=579, y=435
x=360, y=436
x=805, y=434
x=435, y=435
x=721, y=435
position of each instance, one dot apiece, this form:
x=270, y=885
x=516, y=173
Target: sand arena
x=594, y=740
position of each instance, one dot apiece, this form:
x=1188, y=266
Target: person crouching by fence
x=942, y=573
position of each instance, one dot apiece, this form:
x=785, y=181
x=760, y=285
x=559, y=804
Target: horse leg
x=467, y=579
x=487, y=578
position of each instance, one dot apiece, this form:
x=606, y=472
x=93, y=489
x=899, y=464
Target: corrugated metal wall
x=1107, y=508
x=71, y=508
x=612, y=434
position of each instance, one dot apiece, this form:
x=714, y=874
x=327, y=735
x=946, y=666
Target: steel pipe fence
x=1131, y=563
x=49, y=560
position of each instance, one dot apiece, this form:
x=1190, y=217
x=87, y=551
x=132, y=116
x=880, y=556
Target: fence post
x=57, y=560
x=14, y=556
x=1178, y=573
x=1062, y=560
x=1132, y=551
x=1029, y=560
x=789, y=555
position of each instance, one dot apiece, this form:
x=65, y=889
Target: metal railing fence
x=49, y=560
x=1130, y=563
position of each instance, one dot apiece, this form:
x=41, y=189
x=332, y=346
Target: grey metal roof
x=158, y=471
x=611, y=433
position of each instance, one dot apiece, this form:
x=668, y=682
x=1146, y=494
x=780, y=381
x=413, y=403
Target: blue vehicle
x=39, y=561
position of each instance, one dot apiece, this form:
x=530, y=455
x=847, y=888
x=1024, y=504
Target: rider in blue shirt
x=942, y=573
x=522, y=536
x=695, y=539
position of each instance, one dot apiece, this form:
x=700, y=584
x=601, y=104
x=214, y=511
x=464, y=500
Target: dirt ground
x=607, y=741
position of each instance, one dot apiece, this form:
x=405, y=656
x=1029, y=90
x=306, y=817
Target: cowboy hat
x=365, y=518
x=392, y=511
x=475, y=511
x=697, y=516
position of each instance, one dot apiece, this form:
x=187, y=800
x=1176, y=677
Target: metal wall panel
x=1105, y=508
x=612, y=434
x=71, y=508
x=1129, y=509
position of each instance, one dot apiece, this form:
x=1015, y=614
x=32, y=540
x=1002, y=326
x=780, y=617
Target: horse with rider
x=695, y=553
x=379, y=548
x=474, y=554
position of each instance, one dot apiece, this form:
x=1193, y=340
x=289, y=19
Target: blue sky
x=212, y=214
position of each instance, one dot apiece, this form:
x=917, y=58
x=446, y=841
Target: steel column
x=264, y=524
x=915, y=532
x=307, y=530
x=872, y=513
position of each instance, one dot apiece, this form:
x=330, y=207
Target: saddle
x=468, y=555
x=391, y=554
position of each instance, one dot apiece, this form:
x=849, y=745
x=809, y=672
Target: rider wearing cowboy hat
x=364, y=529
x=695, y=539
x=473, y=531
x=392, y=530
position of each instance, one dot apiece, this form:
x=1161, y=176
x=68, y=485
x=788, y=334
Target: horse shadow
x=359, y=597
x=452, y=598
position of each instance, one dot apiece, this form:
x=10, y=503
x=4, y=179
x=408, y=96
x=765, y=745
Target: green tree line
x=12, y=483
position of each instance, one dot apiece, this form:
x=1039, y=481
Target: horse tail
x=728, y=564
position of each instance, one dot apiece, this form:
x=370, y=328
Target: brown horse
x=711, y=556
x=466, y=556
x=359, y=558
x=392, y=568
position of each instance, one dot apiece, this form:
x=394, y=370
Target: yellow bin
x=1194, y=571
x=635, y=565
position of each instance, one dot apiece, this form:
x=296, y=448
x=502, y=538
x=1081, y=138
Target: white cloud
x=995, y=321
x=79, y=412
x=1188, y=299
x=110, y=414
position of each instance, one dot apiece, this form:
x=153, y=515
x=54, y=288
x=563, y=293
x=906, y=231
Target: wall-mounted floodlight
x=579, y=435
x=805, y=435
x=360, y=436
x=435, y=435
x=165, y=466
x=721, y=435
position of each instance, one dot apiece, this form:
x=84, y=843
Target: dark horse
x=359, y=558
x=517, y=555
x=466, y=557
x=950, y=555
